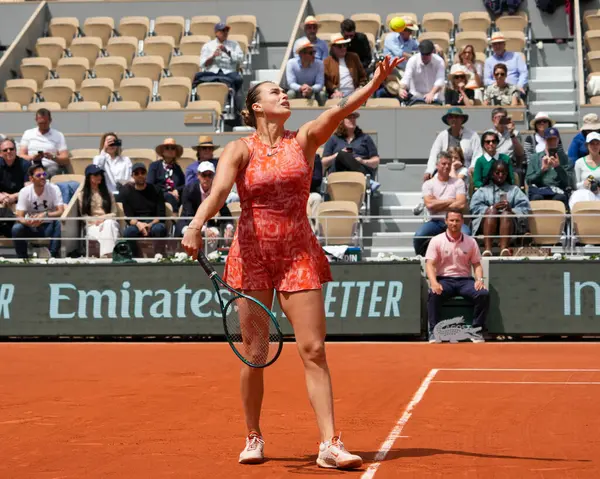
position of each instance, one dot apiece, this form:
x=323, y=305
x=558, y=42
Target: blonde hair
x=103, y=139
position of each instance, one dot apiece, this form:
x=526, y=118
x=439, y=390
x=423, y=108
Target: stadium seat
x=136, y=89
x=441, y=38
x=513, y=23
x=97, y=89
x=371, y=39
x=84, y=106
x=162, y=46
x=367, y=23
x=64, y=27
x=36, y=68
x=136, y=27
x=175, y=89
x=329, y=22
x=474, y=22
x=438, y=22
x=382, y=103
x=187, y=158
x=145, y=155
x=347, y=186
x=235, y=208
x=86, y=47
x=592, y=40
x=65, y=178
x=192, y=44
x=75, y=68
x=163, y=105
x=547, y=221
x=111, y=67
x=587, y=228
x=515, y=41
x=243, y=25
x=148, y=66
x=125, y=47
x=591, y=19
x=412, y=16
x=185, y=66
x=8, y=106
x=59, y=90
x=303, y=103
x=337, y=220
x=124, y=105
x=242, y=40
x=213, y=105
x=213, y=91
x=595, y=100
x=171, y=26
x=81, y=158
x=100, y=27
x=21, y=91
x=204, y=25
x=479, y=40
x=593, y=61
x=51, y=47
x=48, y=105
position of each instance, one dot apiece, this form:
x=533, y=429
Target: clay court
x=411, y=410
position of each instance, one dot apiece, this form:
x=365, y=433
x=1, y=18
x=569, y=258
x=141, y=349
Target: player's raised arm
x=314, y=133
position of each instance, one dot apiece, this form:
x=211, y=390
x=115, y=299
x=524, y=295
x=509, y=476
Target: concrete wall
x=13, y=17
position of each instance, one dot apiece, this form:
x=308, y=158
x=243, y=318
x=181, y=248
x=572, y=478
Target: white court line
x=527, y=370
x=397, y=430
x=519, y=382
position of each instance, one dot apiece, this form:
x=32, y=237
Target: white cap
x=594, y=135
x=206, y=166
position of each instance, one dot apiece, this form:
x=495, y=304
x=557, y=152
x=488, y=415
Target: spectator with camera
x=116, y=168
x=535, y=143
x=547, y=171
x=508, y=136
x=587, y=172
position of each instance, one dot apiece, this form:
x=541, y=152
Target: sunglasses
x=139, y=172
x=499, y=74
x=490, y=142
x=170, y=147
x=207, y=175
x=460, y=77
x=41, y=175
x=308, y=52
x=340, y=46
x=6, y=150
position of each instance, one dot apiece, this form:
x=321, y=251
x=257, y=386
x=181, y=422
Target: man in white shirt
x=424, y=77
x=45, y=144
x=311, y=27
x=220, y=60
x=38, y=202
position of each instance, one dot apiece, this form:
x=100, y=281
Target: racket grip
x=203, y=260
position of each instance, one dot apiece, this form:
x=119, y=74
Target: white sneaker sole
x=349, y=464
x=252, y=460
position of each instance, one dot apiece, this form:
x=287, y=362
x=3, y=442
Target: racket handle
x=203, y=260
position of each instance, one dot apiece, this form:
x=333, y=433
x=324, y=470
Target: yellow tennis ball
x=397, y=24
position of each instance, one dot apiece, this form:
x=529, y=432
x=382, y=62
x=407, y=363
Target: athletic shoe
x=333, y=454
x=477, y=338
x=253, y=453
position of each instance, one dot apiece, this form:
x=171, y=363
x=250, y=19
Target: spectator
x=489, y=143
x=456, y=135
x=38, y=202
x=536, y=143
x=359, y=43
x=143, y=200
x=221, y=59
x=458, y=94
x=166, y=173
x=311, y=27
x=424, y=77
x=402, y=45
x=501, y=93
x=468, y=60
x=587, y=172
x=343, y=71
x=578, y=146
x=449, y=259
x=459, y=170
x=305, y=75
x=45, y=144
x=193, y=195
x=508, y=136
x=98, y=204
x=349, y=149
x=497, y=205
x=547, y=172
x=205, y=151
x=13, y=175
x=315, y=199
x=440, y=194
x=116, y=168
x=517, y=73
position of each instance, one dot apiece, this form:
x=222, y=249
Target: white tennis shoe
x=253, y=453
x=333, y=454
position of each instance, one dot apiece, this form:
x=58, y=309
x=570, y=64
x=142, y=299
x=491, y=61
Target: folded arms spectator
x=424, y=77
x=117, y=168
x=306, y=75
x=311, y=27
x=343, y=71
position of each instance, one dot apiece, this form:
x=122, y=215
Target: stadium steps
x=393, y=198
x=397, y=175
x=552, y=91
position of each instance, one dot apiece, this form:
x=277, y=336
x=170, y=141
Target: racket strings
x=251, y=331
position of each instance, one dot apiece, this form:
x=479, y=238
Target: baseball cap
x=221, y=26
x=550, y=133
x=139, y=166
x=93, y=170
x=426, y=47
x=206, y=166
x=594, y=135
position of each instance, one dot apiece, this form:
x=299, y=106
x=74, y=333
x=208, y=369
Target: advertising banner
x=178, y=299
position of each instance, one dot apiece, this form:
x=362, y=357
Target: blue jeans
x=157, y=230
x=67, y=190
x=431, y=229
x=51, y=229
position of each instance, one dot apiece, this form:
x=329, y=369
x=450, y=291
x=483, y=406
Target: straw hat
x=205, y=140
x=392, y=85
x=409, y=24
x=310, y=20
x=304, y=44
x=498, y=37
x=458, y=69
x=590, y=122
x=169, y=142
x=338, y=39
x=538, y=117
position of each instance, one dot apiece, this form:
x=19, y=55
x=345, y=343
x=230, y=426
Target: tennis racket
x=250, y=327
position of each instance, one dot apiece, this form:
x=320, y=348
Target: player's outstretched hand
x=385, y=67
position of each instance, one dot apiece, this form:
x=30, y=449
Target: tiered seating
x=591, y=22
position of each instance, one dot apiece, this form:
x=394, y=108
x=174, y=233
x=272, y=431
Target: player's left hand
x=385, y=67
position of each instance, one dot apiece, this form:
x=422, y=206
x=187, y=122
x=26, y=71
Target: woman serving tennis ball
x=274, y=247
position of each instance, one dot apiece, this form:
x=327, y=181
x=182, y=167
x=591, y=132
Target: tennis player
x=274, y=247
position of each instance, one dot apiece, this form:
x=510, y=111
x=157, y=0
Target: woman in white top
x=467, y=59
x=117, y=168
x=587, y=172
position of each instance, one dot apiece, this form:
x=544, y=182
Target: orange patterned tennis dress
x=274, y=246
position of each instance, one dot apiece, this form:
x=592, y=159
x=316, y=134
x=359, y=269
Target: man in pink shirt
x=449, y=259
x=440, y=194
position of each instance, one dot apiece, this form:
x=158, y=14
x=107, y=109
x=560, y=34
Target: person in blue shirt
x=306, y=75
x=205, y=150
x=518, y=74
x=402, y=45
x=311, y=27
x=578, y=147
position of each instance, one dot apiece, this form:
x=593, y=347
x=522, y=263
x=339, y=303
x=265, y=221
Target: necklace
x=273, y=150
